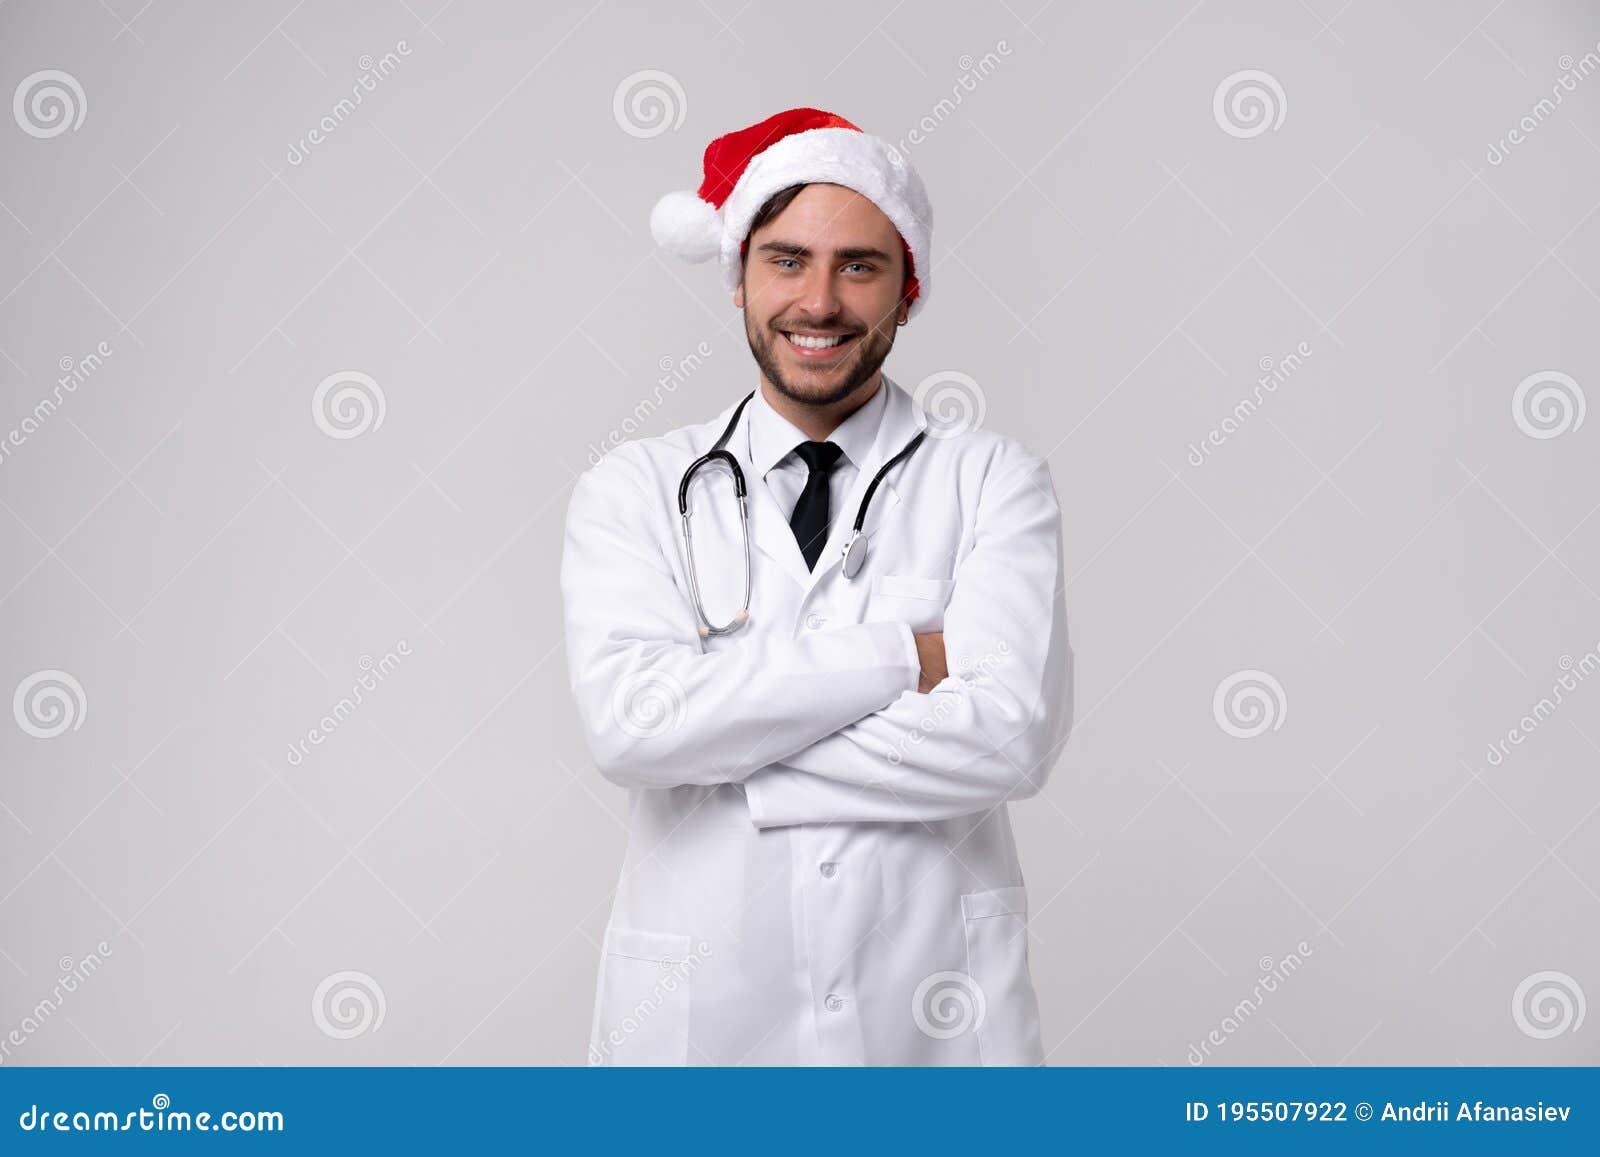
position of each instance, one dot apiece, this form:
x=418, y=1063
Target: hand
x=930, y=651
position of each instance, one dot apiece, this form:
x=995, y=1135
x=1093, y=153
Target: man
x=820, y=864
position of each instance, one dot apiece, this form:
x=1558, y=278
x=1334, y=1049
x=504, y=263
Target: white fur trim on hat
x=686, y=226
x=832, y=156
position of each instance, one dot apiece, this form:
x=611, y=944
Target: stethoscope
x=855, y=549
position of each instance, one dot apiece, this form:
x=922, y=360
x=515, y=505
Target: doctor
x=820, y=865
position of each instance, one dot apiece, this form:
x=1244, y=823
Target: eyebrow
x=850, y=253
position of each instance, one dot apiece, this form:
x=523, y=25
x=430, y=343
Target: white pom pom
x=686, y=226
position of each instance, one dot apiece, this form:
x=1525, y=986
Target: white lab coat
x=820, y=865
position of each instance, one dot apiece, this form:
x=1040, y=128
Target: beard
x=872, y=347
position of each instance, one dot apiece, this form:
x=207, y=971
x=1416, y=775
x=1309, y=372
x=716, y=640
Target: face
x=821, y=294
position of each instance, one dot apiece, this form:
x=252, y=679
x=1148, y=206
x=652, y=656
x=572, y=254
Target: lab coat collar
x=773, y=437
x=769, y=527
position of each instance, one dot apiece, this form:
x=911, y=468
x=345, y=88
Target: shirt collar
x=773, y=437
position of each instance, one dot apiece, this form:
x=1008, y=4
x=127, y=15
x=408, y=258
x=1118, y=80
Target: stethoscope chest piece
x=855, y=554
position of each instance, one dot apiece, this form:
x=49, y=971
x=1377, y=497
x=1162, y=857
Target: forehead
x=831, y=213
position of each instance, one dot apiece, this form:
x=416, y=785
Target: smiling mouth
x=817, y=345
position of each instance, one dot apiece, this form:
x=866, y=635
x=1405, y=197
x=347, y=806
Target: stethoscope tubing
x=853, y=557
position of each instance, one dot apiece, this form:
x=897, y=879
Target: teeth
x=814, y=343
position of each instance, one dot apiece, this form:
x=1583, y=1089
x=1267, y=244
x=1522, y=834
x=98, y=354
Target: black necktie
x=810, y=518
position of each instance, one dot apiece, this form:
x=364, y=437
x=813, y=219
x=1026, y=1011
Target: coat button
x=834, y=1002
x=815, y=622
x=828, y=869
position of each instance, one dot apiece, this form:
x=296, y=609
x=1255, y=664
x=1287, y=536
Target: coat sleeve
x=659, y=711
x=988, y=733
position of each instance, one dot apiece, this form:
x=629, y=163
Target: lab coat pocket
x=642, y=1012
x=996, y=925
x=918, y=602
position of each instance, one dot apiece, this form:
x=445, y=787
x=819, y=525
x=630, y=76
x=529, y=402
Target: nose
x=818, y=296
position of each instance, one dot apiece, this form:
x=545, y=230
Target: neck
x=816, y=422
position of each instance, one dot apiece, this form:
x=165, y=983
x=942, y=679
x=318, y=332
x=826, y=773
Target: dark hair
x=774, y=205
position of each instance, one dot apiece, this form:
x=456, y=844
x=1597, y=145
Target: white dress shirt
x=773, y=439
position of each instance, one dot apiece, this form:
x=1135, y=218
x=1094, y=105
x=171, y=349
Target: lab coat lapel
x=770, y=532
x=897, y=427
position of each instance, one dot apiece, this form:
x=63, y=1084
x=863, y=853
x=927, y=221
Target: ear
x=738, y=295
x=902, y=313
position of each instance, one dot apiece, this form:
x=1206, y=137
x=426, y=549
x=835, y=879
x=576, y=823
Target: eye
x=792, y=263
x=861, y=265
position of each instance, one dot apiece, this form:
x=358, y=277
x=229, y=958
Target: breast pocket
x=918, y=602
x=996, y=926
x=641, y=1012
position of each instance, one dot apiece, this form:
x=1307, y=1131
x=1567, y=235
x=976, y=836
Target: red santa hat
x=802, y=146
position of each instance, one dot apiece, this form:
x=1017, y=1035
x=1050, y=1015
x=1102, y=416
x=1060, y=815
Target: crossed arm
x=874, y=742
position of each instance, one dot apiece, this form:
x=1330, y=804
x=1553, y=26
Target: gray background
x=1383, y=536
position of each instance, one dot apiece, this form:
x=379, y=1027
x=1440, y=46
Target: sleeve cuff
x=913, y=660
x=753, y=797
